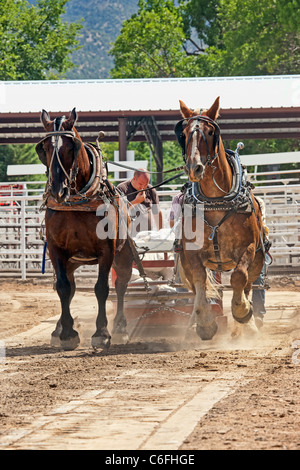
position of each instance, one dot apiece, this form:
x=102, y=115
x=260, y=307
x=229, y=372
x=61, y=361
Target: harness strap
x=155, y=186
x=262, y=245
x=217, y=251
x=214, y=238
x=178, y=168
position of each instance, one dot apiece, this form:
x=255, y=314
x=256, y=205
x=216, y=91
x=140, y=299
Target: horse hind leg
x=122, y=264
x=247, y=326
x=101, y=338
x=120, y=332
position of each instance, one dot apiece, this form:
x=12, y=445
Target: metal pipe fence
x=22, y=222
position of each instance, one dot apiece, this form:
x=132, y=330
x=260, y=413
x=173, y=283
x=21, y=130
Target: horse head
x=59, y=151
x=198, y=134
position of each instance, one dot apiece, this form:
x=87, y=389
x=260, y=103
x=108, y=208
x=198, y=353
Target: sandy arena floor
x=152, y=393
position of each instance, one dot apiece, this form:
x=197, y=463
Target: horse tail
x=212, y=287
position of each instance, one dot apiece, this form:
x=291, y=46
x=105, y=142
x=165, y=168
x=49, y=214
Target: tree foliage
x=16, y=155
x=202, y=17
x=150, y=43
x=35, y=43
x=252, y=37
x=258, y=37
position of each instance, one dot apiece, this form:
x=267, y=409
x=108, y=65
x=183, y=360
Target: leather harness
x=238, y=200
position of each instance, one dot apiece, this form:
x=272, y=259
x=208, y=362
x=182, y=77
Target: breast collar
x=238, y=197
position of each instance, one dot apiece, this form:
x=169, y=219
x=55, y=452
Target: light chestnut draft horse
x=233, y=231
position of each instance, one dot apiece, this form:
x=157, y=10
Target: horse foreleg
x=206, y=326
x=55, y=336
x=69, y=338
x=101, y=338
x=240, y=305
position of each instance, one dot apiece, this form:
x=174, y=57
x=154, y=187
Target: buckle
x=178, y=247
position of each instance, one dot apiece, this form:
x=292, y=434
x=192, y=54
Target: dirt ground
x=159, y=375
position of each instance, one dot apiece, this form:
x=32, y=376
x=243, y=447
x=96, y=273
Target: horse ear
x=73, y=115
x=213, y=111
x=185, y=111
x=70, y=122
x=45, y=119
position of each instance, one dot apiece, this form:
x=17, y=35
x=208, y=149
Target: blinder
x=39, y=148
x=180, y=135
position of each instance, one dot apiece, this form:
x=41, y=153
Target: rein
x=156, y=185
x=55, y=138
x=151, y=172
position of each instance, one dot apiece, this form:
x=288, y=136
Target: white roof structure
x=150, y=94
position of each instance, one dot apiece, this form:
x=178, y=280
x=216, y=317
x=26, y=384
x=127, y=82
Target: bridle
x=55, y=135
x=179, y=128
x=181, y=125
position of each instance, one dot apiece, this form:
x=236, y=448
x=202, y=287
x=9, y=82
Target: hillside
x=102, y=24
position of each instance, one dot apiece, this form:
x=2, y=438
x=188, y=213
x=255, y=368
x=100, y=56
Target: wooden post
x=122, y=143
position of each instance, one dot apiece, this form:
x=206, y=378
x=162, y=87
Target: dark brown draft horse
x=75, y=192
x=233, y=238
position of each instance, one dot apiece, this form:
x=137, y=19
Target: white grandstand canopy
x=150, y=94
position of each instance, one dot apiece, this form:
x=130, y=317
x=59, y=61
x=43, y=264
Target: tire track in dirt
x=102, y=419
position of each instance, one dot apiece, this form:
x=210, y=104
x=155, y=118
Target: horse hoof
x=100, y=342
x=207, y=332
x=55, y=341
x=120, y=338
x=70, y=344
x=244, y=319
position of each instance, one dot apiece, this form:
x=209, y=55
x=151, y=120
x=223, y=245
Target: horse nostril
x=61, y=194
x=198, y=170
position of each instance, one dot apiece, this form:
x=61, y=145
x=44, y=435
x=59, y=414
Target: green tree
x=234, y=37
x=35, y=43
x=150, y=43
x=16, y=155
x=201, y=16
x=258, y=37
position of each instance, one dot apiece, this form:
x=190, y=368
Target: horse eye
x=210, y=132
